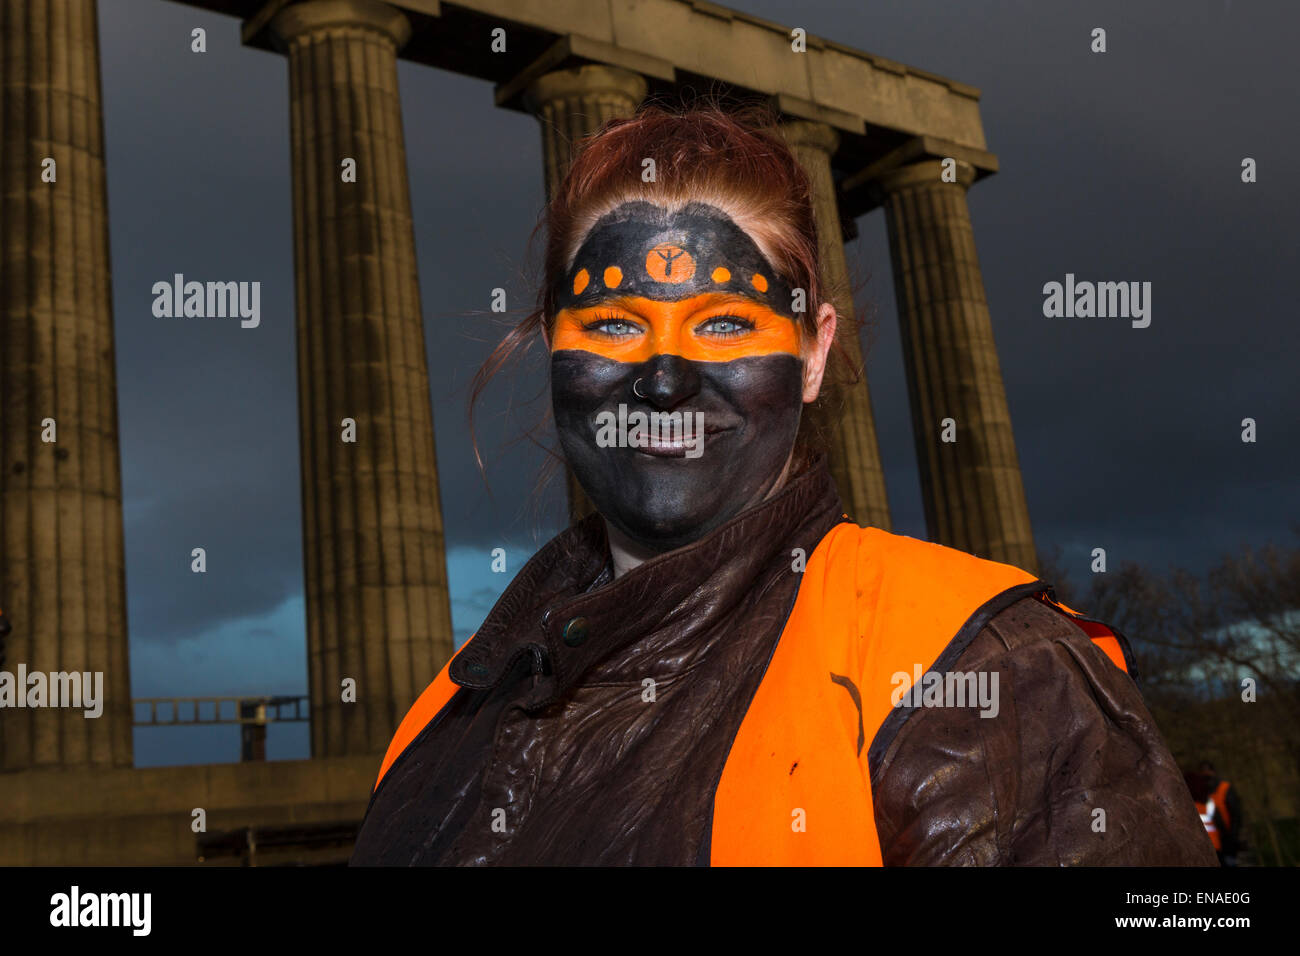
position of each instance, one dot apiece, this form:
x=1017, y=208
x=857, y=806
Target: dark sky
x=1121, y=166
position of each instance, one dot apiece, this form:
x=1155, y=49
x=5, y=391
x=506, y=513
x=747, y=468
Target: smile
x=658, y=446
x=659, y=434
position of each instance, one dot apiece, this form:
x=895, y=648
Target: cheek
x=763, y=389
x=581, y=381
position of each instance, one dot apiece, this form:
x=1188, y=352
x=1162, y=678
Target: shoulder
x=893, y=584
x=881, y=559
x=1040, y=657
x=1066, y=735
x=426, y=707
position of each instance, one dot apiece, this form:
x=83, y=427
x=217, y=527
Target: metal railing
x=252, y=714
x=242, y=710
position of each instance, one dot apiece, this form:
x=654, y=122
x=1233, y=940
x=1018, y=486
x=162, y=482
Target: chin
x=665, y=503
x=662, y=533
x=660, y=525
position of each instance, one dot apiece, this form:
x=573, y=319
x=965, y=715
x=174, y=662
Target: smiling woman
x=719, y=666
x=703, y=340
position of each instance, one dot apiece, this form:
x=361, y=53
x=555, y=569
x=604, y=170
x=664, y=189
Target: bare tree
x=1219, y=662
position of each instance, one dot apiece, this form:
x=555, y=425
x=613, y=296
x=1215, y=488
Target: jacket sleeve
x=1070, y=771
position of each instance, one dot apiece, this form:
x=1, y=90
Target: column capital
x=811, y=134
x=928, y=172
x=314, y=16
x=909, y=165
x=587, y=80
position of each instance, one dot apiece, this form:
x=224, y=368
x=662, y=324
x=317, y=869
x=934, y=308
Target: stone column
x=571, y=104
x=574, y=103
x=61, y=558
x=376, y=575
x=974, y=496
x=854, y=451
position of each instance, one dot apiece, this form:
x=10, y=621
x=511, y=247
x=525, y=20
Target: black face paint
x=669, y=257
x=750, y=398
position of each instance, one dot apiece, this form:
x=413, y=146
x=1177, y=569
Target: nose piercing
x=634, y=391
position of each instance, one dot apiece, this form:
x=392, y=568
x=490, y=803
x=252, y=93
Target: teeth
x=638, y=429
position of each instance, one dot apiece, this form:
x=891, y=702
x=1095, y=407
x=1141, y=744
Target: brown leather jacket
x=595, y=716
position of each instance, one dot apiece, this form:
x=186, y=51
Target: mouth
x=661, y=447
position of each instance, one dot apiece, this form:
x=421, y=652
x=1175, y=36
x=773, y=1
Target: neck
x=627, y=554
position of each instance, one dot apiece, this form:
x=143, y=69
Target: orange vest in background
x=1221, y=801
x=1218, y=802
x=1206, y=810
x=873, y=610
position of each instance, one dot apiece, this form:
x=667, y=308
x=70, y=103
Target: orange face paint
x=704, y=328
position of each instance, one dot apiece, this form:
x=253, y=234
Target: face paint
x=675, y=312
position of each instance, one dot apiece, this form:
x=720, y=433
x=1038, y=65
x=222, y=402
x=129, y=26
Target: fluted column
x=571, y=104
x=854, y=451
x=61, y=558
x=973, y=492
x=574, y=103
x=376, y=576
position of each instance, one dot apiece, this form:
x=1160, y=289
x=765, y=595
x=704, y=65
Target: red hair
x=735, y=159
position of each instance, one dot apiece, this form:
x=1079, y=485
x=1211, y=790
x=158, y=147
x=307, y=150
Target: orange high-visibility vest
x=873, y=609
x=1218, y=801
x=1221, y=801
x=1206, y=810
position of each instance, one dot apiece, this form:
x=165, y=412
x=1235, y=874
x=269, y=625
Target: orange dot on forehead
x=669, y=262
x=580, y=281
x=721, y=274
x=613, y=276
x=759, y=282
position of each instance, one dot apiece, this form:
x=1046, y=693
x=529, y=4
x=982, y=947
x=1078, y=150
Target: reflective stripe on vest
x=1220, y=798
x=795, y=788
x=1206, y=810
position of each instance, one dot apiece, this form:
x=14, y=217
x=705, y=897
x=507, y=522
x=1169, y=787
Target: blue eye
x=612, y=327
x=725, y=326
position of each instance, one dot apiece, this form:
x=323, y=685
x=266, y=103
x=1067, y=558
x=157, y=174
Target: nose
x=668, y=380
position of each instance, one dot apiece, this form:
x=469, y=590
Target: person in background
x=1221, y=797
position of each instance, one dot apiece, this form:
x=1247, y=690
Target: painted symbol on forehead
x=669, y=262
x=643, y=249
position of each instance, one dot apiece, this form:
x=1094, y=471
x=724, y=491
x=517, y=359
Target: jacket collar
x=560, y=615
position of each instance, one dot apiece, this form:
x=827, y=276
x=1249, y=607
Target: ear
x=814, y=361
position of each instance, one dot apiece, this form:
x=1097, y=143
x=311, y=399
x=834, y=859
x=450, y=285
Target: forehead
x=667, y=210
x=644, y=249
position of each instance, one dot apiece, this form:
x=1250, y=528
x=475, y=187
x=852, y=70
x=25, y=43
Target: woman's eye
x=613, y=327
x=725, y=325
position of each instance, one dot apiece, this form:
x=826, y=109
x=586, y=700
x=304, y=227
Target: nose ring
x=634, y=391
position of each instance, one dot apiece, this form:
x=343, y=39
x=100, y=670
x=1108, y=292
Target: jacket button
x=575, y=632
x=477, y=669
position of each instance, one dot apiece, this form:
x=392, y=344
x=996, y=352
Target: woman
x=718, y=666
